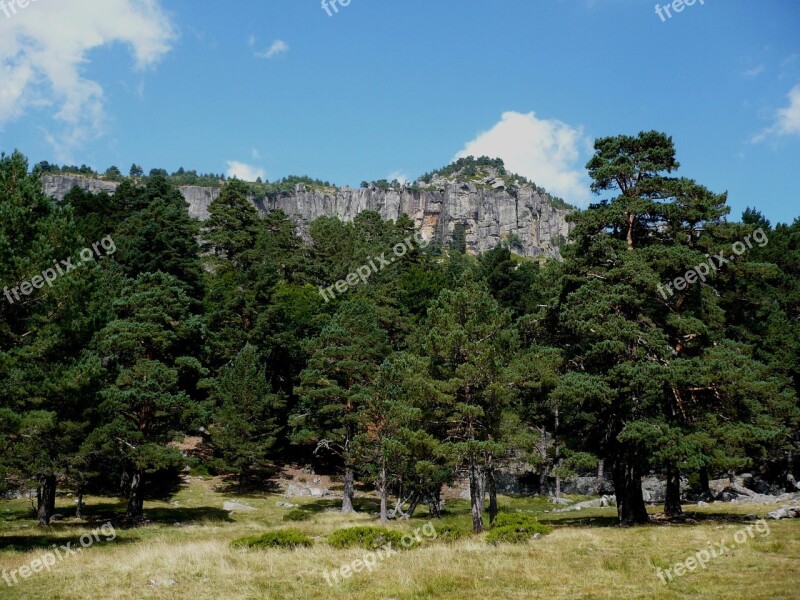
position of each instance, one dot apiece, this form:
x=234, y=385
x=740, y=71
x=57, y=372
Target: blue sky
x=397, y=88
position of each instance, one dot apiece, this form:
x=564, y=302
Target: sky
x=393, y=89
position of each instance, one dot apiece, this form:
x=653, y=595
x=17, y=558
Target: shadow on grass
x=22, y=543
x=96, y=514
x=257, y=489
x=180, y=514
x=362, y=505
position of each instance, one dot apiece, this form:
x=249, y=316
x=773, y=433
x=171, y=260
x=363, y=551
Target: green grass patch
x=297, y=515
x=515, y=528
x=364, y=537
x=282, y=538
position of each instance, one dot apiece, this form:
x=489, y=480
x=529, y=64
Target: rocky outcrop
x=523, y=217
x=487, y=214
x=58, y=186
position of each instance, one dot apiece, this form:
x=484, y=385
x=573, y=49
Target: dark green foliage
x=370, y=538
x=440, y=362
x=245, y=428
x=281, y=538
x=297, y=515
x=515, y=528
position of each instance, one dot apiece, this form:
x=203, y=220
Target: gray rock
x=58, y=186
x=488, y=216
x=701, y=503
x=293, y=490
x=784, y=512
x=162, y=582
x=601, y=502
x=286, y=504
x=237, y=507
x=554, y=500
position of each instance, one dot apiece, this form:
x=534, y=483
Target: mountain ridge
x=481, y=202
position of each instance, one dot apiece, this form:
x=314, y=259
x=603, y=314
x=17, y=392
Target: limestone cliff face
x=487, y=215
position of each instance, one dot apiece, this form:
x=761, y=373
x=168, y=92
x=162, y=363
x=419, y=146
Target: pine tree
x=336, y=385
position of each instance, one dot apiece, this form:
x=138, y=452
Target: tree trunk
x=135, y=498
x=475, y=492
x=628, y=490
x=347, y=497
x=46, y=496
x=557, y=457
x=672, y=504
x=631, y=223
x=705, y=486
x=79, y=507
x=434, y=499
x=384, y=493
x=601, y=465
x=543, y=468
x=491, y=480
x=412, y=505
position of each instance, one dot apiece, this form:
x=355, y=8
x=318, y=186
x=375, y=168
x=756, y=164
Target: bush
x=296, y=515
x=364, y=537
x=515, y=528
x=282, y=538
x=453, y=530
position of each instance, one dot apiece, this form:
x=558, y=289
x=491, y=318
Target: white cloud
x=43, y=52
x=546, y=151
x=755, y=71
x=399, y=175
x=255, y=154
x=787, y=121
x=244, y=171
x=278, y=47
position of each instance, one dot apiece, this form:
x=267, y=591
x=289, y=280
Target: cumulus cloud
x=278, y=47
x=244, y=171
x=45, y=47
x=787, y=121
x=400, y=176
x=546, y=151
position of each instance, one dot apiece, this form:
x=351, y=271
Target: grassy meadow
x=185, y=553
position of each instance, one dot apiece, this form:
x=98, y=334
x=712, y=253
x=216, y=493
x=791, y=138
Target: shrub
x=364, y=537
x=296, y=515
x=282, y=538
x=452, y=531
x=515, y=528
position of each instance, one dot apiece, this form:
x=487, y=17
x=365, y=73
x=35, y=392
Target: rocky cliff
x=485, y=211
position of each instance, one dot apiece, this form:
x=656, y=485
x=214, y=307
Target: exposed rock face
x=58, y=186
x=487, y=214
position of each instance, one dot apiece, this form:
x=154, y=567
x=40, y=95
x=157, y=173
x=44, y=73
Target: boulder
x=301, y=491
x=785, y=512
x=601, y=502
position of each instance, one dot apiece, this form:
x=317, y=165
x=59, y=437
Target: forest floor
x=185, y=553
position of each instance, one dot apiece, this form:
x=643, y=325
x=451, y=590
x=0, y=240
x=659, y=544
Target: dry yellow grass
x=574, y=562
